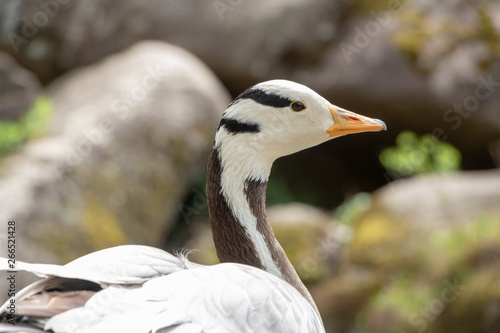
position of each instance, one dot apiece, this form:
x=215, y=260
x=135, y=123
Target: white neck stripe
x=235, y=172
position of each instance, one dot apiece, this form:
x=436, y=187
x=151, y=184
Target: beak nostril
x=354, y=118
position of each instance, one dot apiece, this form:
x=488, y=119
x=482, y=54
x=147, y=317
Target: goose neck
x=236, y=196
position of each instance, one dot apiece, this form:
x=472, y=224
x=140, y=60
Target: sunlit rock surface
x=424, y=257
x=129, y=136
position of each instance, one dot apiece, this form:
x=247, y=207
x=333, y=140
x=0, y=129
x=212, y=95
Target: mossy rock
x=447, y=284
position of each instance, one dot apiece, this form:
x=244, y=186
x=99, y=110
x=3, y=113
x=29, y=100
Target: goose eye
x=298, y=106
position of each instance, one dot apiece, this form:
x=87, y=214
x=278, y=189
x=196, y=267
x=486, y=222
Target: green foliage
x=32, y=125
x=402, y=296
x=278, y=192
x=350, y=211
x=415, y=155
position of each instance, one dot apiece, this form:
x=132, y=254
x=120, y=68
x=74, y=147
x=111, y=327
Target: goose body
x=136, y=288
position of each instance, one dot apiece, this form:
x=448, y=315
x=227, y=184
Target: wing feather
x=127, y=265
x=220, y=298
x=142, y=289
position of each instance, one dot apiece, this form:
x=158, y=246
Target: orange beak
x=347, y=122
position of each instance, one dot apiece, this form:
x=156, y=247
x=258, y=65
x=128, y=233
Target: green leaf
x=414, y=155
x=32, y=125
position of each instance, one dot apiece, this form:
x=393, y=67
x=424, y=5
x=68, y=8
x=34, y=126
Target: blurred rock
x=395, y=60
x=409, y=210
x=341, y=297
x=407, y=63
x=18, y=88
x=130, y=134
x=362, y=55
x=232, y=37
x=311, y=238
x=419, y=257
x=436, y=201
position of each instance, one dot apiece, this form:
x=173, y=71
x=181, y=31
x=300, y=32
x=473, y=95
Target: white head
x=279, y=117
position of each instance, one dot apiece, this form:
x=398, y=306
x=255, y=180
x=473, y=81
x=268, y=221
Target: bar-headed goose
x=255, y=289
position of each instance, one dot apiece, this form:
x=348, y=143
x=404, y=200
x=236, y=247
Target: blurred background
x=108, y=111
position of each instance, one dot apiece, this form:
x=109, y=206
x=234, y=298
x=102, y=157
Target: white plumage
x=147, y=289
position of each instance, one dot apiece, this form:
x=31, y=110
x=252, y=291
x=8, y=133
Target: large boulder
x=437, y=201
x=424, y=252
x=53, y=36
x=129, y=136
x=406, y=214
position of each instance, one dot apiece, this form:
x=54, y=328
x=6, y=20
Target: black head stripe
x=234, y=126
x=264, y=98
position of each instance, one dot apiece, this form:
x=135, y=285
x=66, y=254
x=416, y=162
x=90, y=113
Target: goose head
x=279, y=117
